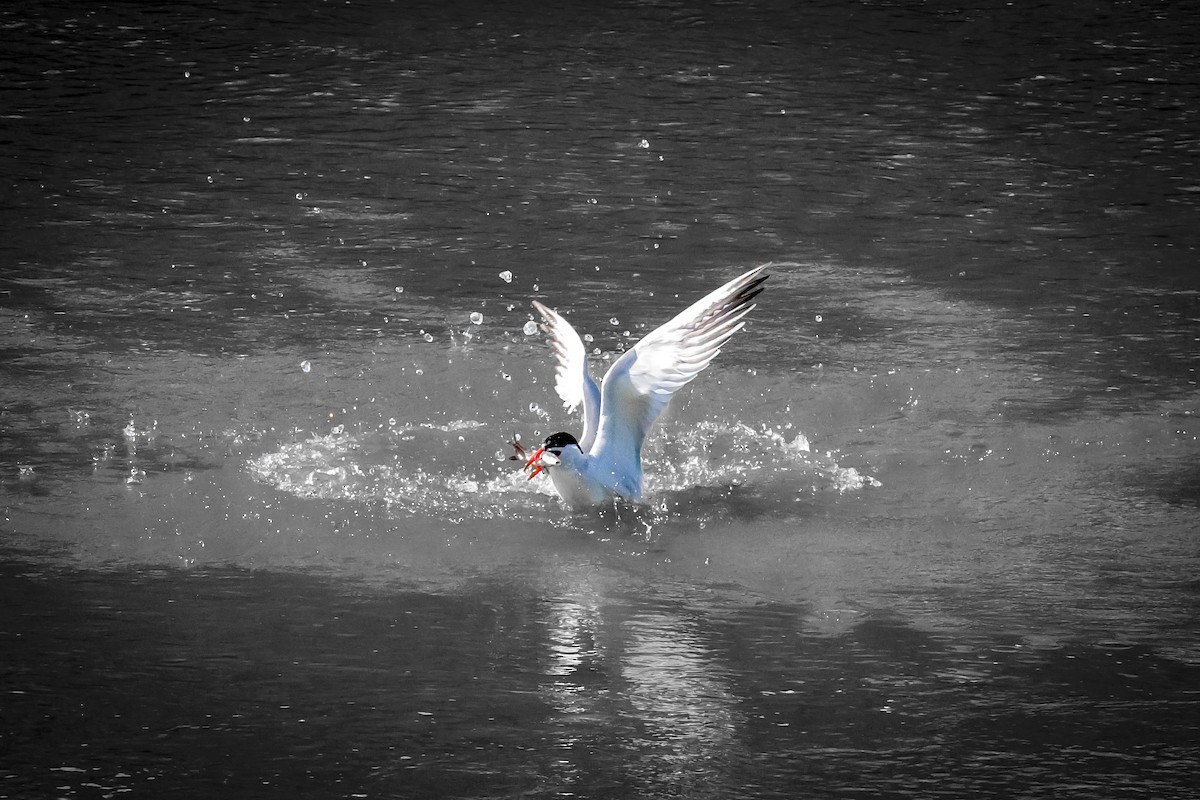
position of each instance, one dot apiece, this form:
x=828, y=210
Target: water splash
x=715, y=453
x=454, y=471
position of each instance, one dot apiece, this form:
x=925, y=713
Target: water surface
x=926, y=529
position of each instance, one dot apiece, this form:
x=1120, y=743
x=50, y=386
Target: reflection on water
x=675, y=686
x=926, y=530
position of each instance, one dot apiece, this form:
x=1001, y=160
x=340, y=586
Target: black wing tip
x=748, y=298
x=760, y=272
x=758, y=275
x=751, y=290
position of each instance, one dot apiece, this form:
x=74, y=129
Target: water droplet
x=506, y=276
x=530, y=328
x=305, y=366
x=476, y=318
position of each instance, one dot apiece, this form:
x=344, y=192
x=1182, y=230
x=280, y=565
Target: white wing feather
x=670, y=356
x=572, y=380
x=640, y=383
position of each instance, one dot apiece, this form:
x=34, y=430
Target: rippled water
x=926, y=529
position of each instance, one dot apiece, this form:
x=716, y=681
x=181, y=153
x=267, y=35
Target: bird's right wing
x=572, y=380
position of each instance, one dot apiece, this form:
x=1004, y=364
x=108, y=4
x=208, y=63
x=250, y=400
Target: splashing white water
x=455, y=471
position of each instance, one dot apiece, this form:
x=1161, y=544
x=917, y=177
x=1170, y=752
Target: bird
x=605, y=463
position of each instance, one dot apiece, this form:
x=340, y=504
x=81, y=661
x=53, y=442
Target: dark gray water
x=928, y=528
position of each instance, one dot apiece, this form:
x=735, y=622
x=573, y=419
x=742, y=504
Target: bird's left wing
x=640, y=383
x=670, y=356
x=572, y=380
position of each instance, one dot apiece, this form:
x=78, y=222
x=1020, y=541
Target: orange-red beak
x=535, y=461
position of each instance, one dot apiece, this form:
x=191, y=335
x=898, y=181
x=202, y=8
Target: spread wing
x=640, y=383
x=572, y=380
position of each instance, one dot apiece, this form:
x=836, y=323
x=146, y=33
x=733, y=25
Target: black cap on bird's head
x=557, y=441
x=553, y=445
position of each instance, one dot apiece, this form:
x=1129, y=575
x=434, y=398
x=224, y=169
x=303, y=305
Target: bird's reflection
x=572, y=653
x=676, y=688
x=652, y=669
